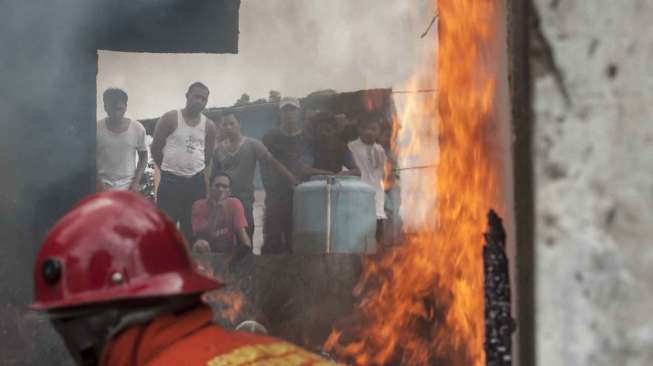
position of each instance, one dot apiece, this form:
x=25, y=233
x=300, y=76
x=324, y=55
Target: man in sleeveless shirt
x=182, y=147
x=118, y=140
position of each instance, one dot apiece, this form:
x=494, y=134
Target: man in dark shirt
x=289, y=146
x=329, y=149
x=237, y=156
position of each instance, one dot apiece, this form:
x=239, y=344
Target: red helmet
x=113, y=245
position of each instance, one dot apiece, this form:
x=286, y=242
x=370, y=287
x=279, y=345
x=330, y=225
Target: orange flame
x=229, y=303
x=422, y=302
x=373, y=99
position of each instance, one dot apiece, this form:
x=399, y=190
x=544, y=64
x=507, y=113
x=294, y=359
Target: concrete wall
x=48, y=68
x=593, y=165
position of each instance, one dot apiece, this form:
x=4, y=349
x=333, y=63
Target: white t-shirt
x=371, y=159
x=116, y=153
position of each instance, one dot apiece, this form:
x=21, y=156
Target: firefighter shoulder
x=117, y=283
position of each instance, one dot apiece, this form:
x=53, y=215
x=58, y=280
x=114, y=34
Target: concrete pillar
x=593, y=163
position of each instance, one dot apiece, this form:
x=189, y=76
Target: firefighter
x=116, y=281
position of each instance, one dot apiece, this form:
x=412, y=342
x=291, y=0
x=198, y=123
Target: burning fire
x=422, y=302
x=229, y=303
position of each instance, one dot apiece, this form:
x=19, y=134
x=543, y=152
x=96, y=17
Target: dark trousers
x=380, y=223
x=248, y=207
x=176, y=195
x=277, y=226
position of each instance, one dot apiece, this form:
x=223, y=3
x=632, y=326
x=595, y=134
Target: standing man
x=182, y=148
x=329, y=150
x=392, y=187
x=370, y=160
x=289, y=146
x=237, y=156
x=119, y=139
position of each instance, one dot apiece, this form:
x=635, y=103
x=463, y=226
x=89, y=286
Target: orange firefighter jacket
x=192, y=339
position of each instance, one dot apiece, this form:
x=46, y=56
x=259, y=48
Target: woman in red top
x=219, y=220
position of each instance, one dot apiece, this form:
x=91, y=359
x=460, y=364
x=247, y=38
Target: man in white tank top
x=118, y=140
x=182, y=147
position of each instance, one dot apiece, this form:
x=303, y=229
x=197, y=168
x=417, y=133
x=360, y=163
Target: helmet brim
x=162, y=285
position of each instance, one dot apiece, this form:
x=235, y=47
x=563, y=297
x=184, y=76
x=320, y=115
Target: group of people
x=187, y=146
x=99, y=275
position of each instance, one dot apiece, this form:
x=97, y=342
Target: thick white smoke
x=293, y=46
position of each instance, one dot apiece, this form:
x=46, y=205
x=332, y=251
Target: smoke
x=293, y=46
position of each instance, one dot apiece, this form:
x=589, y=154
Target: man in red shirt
x=219, y=220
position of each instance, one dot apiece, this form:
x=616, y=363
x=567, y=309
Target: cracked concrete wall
x=593, y=166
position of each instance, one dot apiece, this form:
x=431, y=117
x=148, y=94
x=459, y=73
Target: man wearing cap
x=288, y=144
x=116, y=282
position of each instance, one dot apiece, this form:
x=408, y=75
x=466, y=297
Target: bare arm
x=203, y=229
x=281, y=169
x=309, y=170
x=243, y=238
x=353, y=172
x=140, y=168
x=264, y=156
x=99, y=185
x=350, y=163
x=166, y=125
x=209, y=141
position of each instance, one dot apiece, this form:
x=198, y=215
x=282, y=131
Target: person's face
x=329, y=129
x=290, y=115
x=385, y=137
x=230, y=126
x=196, y=99
x=115, y=109
x=85, y=335
x=369, y=132
x=220, y=188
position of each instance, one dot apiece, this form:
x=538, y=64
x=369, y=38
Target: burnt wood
x=499, y=324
